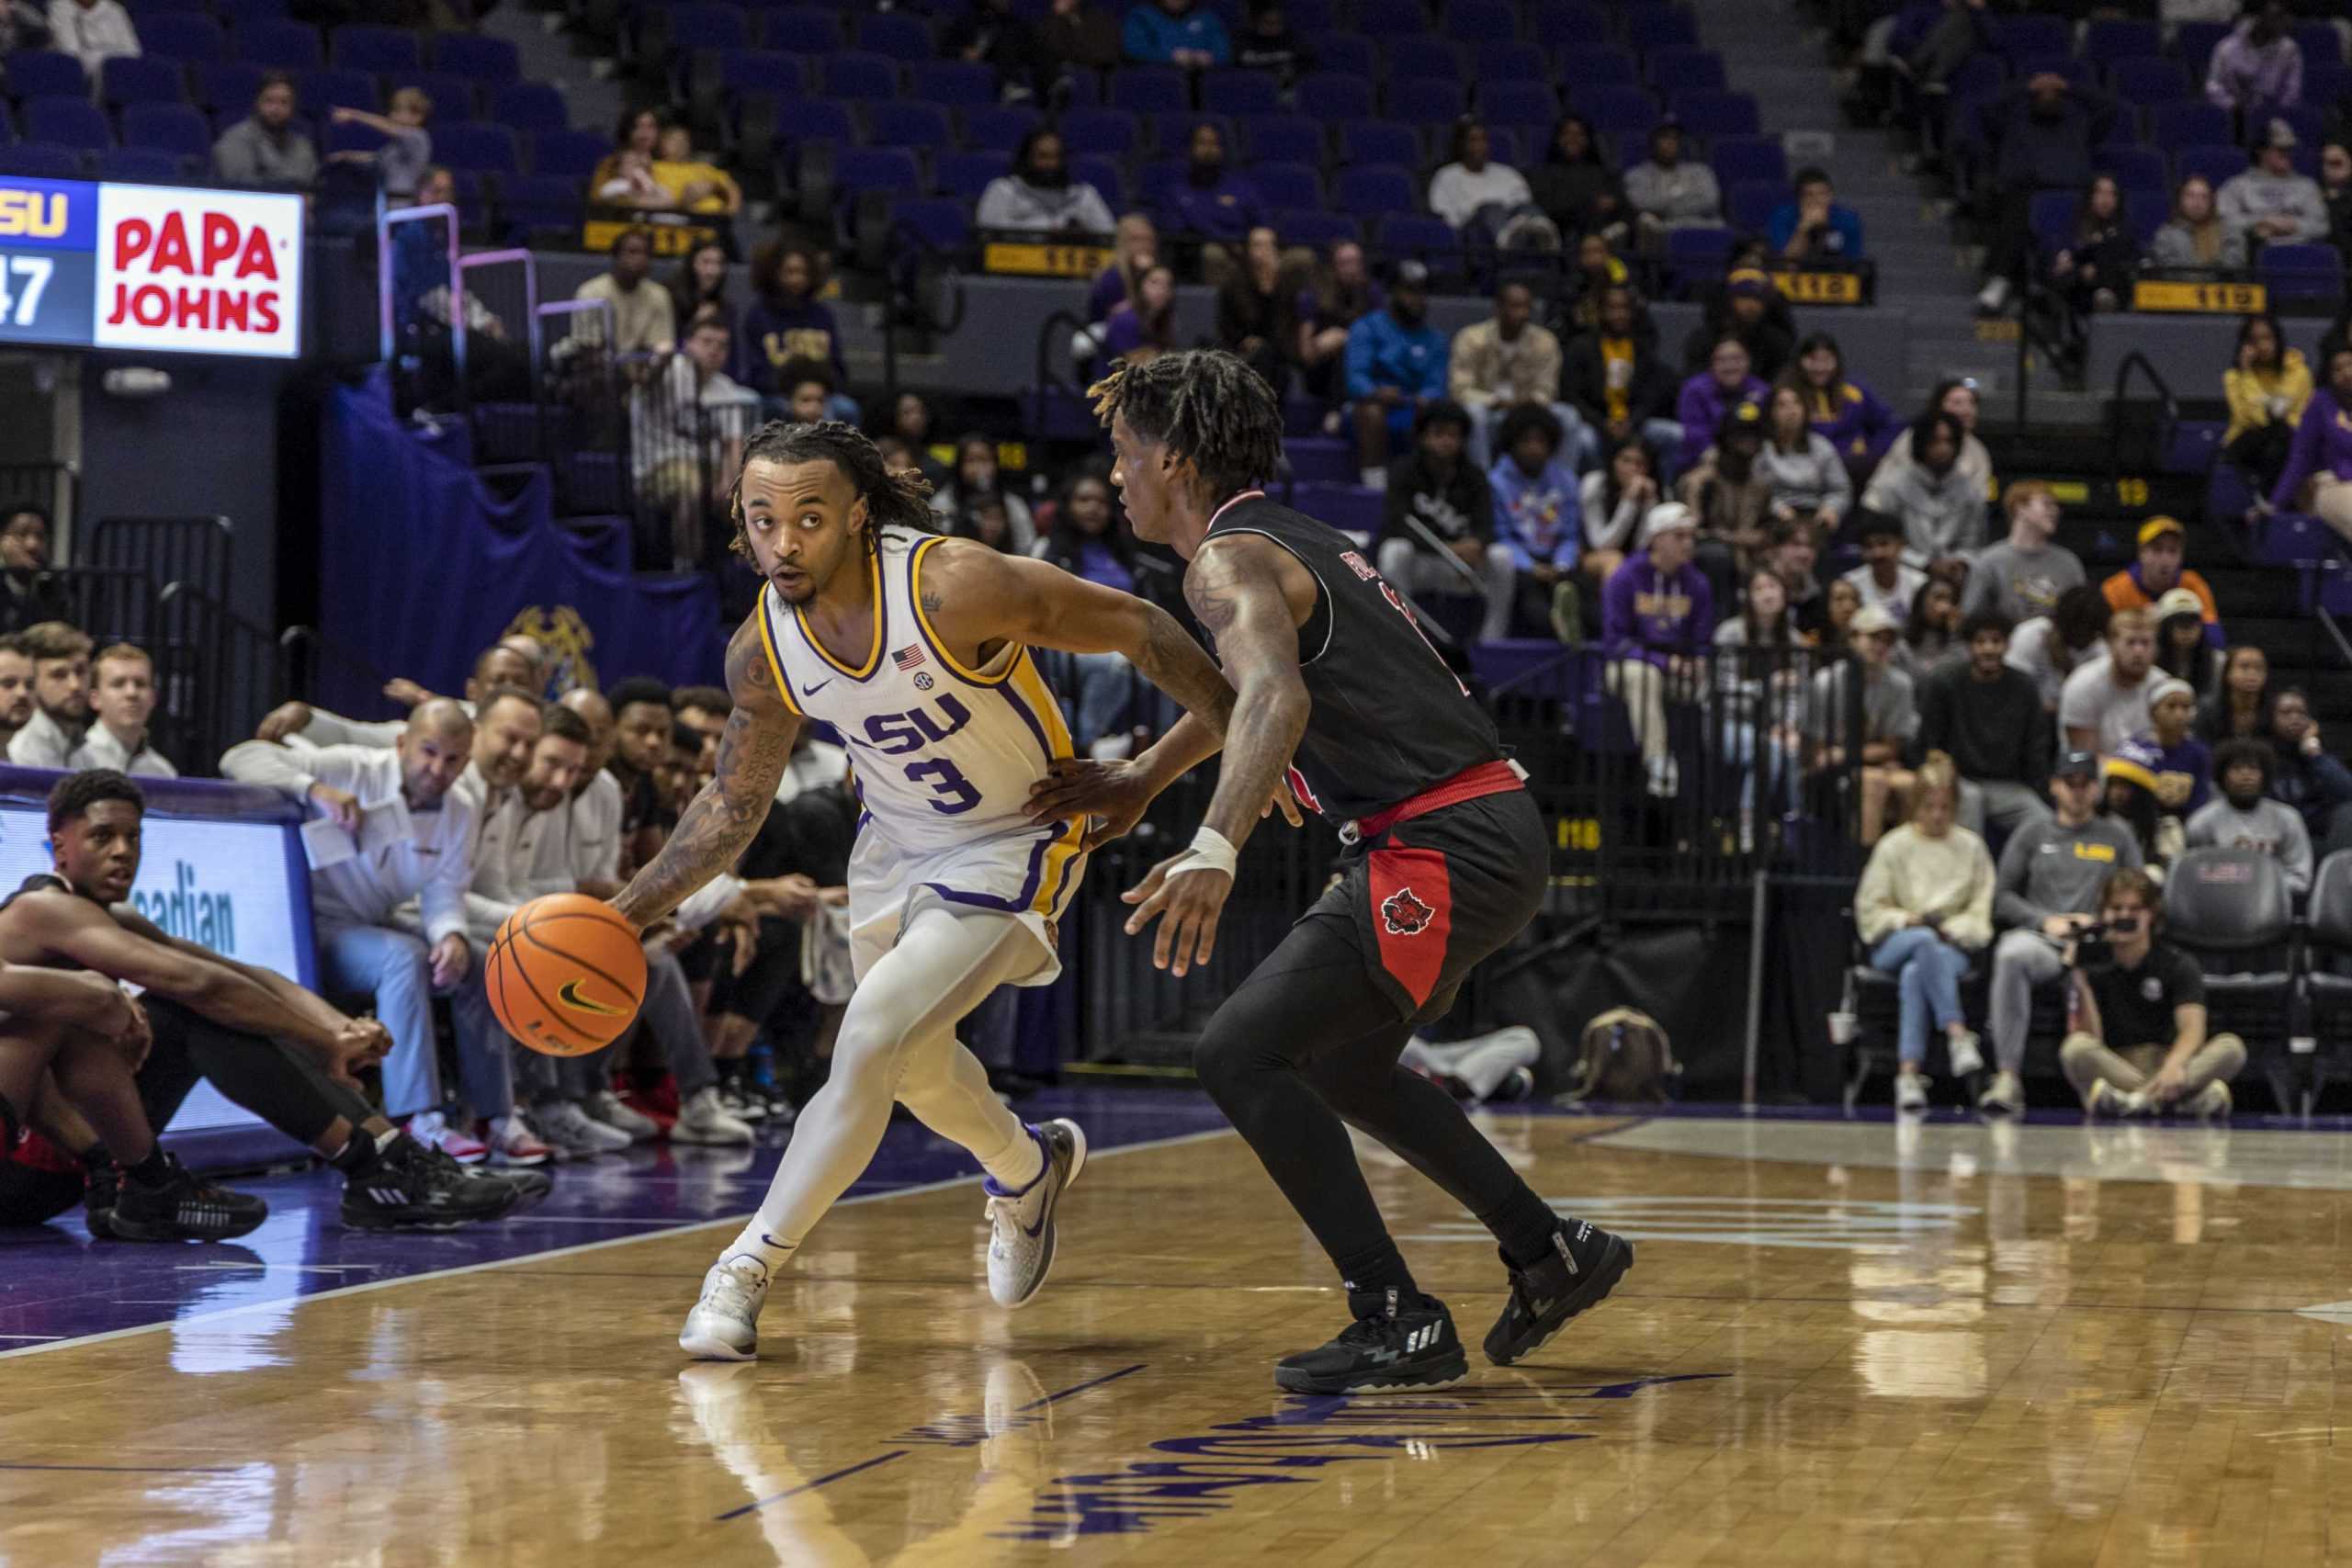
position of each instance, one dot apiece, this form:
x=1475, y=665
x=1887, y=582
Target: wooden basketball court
x=1842, y=1343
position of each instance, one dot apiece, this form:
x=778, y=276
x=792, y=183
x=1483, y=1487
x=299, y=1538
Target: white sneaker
x=2211, y=1101
x=1967, y=1053
x=1021, y=1253
x=605, y=1106
x=725, y=1323
x=577, y=1134
x=703, y=1120
x=432, y=1129
x=1910, y=1092
x=2006, y=1098
x=514, y=1141
x=1994, y=297
x=2104, y=1100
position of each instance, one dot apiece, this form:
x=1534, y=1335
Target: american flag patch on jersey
x=909, y=657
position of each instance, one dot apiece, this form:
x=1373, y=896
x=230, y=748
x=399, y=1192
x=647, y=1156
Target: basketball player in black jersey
x=1337, y=689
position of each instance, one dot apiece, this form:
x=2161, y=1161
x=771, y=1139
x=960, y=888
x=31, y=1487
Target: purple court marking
x=1082, y=1388
x=812, y=1485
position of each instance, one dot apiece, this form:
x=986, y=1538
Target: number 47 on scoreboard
x=19, y=306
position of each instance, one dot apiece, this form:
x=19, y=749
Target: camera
x=2092, y=950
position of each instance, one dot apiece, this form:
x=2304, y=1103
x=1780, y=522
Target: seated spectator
x=2318, y=476
x=1213, y=205
x=2097, y=264
x=695, y=183
x=2046, y=890
x=688, y=427
x=1931, y=637
x=2023, y=575
x=2106, y=702
x=2271, y=203
x=1537, y=514
x=29, y=594
x=1930, y=489
x=2051, y=647
x=786, y=320
x=1396, y=368
x=1437, y=485
x=22, y=26
x=497, y=369
x=2130, y=776
x=2138, y=1044
x=1472, y=181
x=2260, y=67
x=1270, y=46
x=1956, y=397
x=2158, y=571
x=2044, y=127
x=1730, y=494
x=1613, y=376
x=2195, y=238
x=2183, y=652
x=1986, y=716
x=2247, y=818
x=1135, y=244
x=700, y=285
x=1759, y=677
x=911, y=422
x=1813, y=227
x=1747, y=311
x=1666, y=192
x=625, y=176
x=1657, y=616
x=1885, y=577
x=645, y=319
x=807, y=389
x=1506, y=360
x=1039, y=197
x=16, y=686
x=61, y=656
x=2335, y=188
x=2180, y=764
x=2304, y=776
x=1598, y=271
x=1807, y=477
x=1144, y=327
x=92, y=31
x=263, y=150
x=1844, y=411
x=990, y=33
x=1791, y=553
x=1090, y=539
x=1340, y=294
x=1836, y=605
x=1925, y=904
x=2267, y=388
x=2241, y=709
x=1728, y=380
x=1076, y=35
x=978, y=482
x=407, y=153
x=1176, y=32
x=1256, y=311
x=122, y=697
x=1889, y=716
x=1578, y=190
x=1612, y=500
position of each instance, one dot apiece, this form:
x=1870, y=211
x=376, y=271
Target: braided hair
x=901, y=496
x=1208, y=407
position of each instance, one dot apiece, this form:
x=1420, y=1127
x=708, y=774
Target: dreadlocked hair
x=901, y=496
x=1206, y=408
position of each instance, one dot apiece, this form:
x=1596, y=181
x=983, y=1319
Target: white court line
x=281, y=1302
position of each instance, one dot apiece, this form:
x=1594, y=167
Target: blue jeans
x=1779, y=765
x=393, y=968
x=1928, y=970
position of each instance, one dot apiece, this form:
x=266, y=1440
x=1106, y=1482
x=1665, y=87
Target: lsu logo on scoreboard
x=47, y=213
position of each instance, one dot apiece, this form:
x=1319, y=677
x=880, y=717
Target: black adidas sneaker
x=101, y=1185
x=530, y=1182
x=181, y=1209
x=403, y=1189
x=1392, y=1347
x=1583, y=1267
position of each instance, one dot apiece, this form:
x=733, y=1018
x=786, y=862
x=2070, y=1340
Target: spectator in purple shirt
x=1213, y=204
x=2260, y=67
x=1657, y=619
x=1135, y=245
x=2318, y=476
x=1728, y=381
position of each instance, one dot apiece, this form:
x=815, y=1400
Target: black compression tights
x=275, y=1082
x=1307, y=1043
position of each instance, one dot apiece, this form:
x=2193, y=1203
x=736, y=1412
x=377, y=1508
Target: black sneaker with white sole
x=101, y=1186
x=405, y=1190
x=1583, y=1267
x=1393, y=1345
x=182, y=1208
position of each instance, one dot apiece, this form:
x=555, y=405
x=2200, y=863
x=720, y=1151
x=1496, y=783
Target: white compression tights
x=898, y=1042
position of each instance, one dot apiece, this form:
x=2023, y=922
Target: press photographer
x=2138, y=1047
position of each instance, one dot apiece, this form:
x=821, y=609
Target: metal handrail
x=530, y=303
x=2171, y=405
x=385, y=222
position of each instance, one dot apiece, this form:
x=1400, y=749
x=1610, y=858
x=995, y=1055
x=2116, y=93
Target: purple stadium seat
x=810, y=29
x=1280, y=137
x=1349, y=508
x=1742, y=158
x=237, y=13
x=1508, y=62
x=1107, y=133
x=909, y=125
x=2148, y=79
x=1626, y=113
x=2031, y=36
x=1583, y=68
x=1479, y=21
x=1157, y=181
x=897, y=35
x=2321, y=44
x=1171, y=135
x=870, y=78
x=1150, y=89
x=1370, y=190
x=2326, y=82
x=2114, y=38
x=1527, y=104
x=1328, y=96
x=375, y=48
x=1710, y=115
x=1698, y=253
x=721, y=27
x=1749, y=204
x=1345, y=54
x=1426, y=61
x=1287, y=184
x=1321, y=460
x=484, y=148
x=1105, y=176
x=484, y=59
x=228, y=85
x=2190, y=123
x=1504, y=145
x=44, y=74
x=1240, y=92
x=175, y=129
x=319, y=91
x=967, y=174
x=2051, y=216
x=543, y=201
x=41, y=161
x=1571, y=27
x=532, y=107
x=937, y=221
x=1311, y=18
x=2311, y=128
x=1677, y=71
x=334, y=139
x=2135, y=168
x=1377, y=141
x=2302, y=275
x=799, y=120
x=144, y=166
x=7, y=124
x=1391, y=18
x=890, y=170
x=2146, y=211
x=183, y=35
x=2194, y=42
x=1425, y=102
x=951, y=83
x=1315, y=228
x=763, y=71
x=142, y=79
x=1396, y=235
x=999, y=128
x=282, y=45
x=574, y=154
x=454, y=98
x=1652, y=27
x=75, y=123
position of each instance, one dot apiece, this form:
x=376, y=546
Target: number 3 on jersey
x=899, y=733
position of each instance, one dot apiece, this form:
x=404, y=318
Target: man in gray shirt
x=263, y=151
x=2046, y=890
x=2271, y=202
x=1889, y=714
x=2243, y=816
x=2022, y=576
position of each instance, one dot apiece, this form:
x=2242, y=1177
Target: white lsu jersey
x=942, y=757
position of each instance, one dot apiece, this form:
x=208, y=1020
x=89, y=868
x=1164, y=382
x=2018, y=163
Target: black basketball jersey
x=44, y=882
x=1389, y=720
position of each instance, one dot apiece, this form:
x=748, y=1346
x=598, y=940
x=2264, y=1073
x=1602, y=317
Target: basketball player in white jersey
x=915, y=648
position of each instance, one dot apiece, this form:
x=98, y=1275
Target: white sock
x=756, y=1242
x=1021, y=1164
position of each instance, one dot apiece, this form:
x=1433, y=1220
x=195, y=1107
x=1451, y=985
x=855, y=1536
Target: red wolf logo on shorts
x=1404, y=914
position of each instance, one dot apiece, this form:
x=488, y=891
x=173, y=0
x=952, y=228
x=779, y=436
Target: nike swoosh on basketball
x=568, y=994
x=812, y=691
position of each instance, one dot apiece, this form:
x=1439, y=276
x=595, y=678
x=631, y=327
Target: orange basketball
x=565, y=974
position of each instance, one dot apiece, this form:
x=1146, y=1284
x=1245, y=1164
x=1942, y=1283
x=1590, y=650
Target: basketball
x=565, y=974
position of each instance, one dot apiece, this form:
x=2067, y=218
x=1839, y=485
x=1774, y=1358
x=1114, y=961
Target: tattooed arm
x=713, y=830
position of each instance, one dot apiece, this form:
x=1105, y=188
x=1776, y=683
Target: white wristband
x=1210, y=851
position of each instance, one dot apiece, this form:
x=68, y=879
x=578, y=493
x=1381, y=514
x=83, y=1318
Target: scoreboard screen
x=163, y=267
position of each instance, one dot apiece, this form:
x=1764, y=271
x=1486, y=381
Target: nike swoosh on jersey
x=568, y=994
x=812, y=691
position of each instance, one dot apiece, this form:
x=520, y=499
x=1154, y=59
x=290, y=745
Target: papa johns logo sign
x=216, y=272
